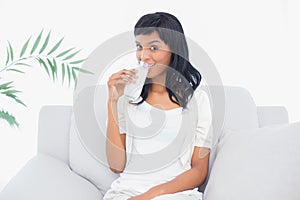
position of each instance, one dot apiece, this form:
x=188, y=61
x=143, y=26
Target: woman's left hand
x=150, y=194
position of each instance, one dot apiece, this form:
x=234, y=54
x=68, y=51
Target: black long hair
x=181, y=78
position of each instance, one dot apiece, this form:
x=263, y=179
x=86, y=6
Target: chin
x=150, y=75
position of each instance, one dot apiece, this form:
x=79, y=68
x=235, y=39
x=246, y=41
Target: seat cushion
x=45, y=177
x=259, y=164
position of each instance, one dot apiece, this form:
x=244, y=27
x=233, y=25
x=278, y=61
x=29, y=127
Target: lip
x=149, y=66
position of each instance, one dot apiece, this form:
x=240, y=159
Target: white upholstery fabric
x=268, y=115
x=53, y=137
x=234, y=108
x=48, y=178
x=88, y=137
x=257, y=164
x=84, y=164
x=240, y=109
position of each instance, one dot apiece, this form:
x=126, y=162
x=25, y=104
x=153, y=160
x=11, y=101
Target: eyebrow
x=151, y=42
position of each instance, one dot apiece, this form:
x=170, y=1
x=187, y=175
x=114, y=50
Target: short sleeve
x=121, y=115
x=204, y=131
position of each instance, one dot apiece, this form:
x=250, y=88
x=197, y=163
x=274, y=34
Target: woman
x=171, y=85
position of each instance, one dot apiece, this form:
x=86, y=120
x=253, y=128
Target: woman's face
x=153, y=51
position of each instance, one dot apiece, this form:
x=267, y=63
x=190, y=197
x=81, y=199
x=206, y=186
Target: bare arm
x=115, y=142
x=188, y=180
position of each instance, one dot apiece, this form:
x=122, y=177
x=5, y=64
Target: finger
x=122, y=82
x=119, y=74
x=129, y=78
x=131, y=72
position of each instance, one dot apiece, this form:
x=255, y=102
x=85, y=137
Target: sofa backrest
x=53, y=129
x=232, y=108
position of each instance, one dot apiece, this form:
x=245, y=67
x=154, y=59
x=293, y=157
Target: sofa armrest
x=271, y=115
x=47, y=178
x=53, y=131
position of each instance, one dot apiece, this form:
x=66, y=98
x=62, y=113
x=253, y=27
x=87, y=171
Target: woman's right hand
x=117, y=82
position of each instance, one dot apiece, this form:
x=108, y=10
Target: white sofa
x=49, y=175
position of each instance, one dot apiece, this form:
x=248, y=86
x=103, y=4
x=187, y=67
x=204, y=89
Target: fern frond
x=10, y=119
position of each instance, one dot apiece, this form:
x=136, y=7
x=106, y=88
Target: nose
x=145, y=54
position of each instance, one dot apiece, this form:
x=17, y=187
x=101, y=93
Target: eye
x=139, y=47
x=154, y=48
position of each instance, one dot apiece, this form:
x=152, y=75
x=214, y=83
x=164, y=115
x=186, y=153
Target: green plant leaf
x=11, y=94
x=63, y=70
x=52, y=68
x=74, y=76
x=36, y=43
x=6, y=86
x=43, y=64
x=10, y=119
x=20, y=102
x=24, y=64
x=16, y=70
x=55, y=46
x=7, y=91
x=83, y=70
x=69, y=74
x=7, y=58
x=71, y=56
x=45, y=43
x=24, y=47
x=55, y=67
x=64, y=52
x=77, y=62
x=11, y=52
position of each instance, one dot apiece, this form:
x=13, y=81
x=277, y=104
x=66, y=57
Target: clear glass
x=133, y=90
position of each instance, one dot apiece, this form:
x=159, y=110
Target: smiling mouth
x=149, y=66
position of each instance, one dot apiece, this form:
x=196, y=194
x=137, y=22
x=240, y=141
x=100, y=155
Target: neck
x=158, y=88
x=158, y=84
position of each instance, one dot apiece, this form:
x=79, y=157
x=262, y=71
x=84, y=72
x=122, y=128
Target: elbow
x=116, y=171
x=117, y=165
x=200, y=177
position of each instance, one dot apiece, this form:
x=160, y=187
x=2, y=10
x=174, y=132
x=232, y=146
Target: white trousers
x=114, y=195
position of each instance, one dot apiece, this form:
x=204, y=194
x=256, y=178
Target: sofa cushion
x=232, y=107
x=54, y=140
x=87, y=165
x=45, y=177
x=240, y=109
x=261, y=163
x=268, y=115
x=88, y=137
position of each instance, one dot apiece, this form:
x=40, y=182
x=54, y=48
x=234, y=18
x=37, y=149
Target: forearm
x=186, y=181
x=115, y=148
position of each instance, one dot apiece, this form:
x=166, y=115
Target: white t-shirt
x=160, y=143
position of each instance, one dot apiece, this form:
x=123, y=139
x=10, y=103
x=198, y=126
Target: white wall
x=253, y=43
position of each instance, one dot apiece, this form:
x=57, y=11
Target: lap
x=124, y=195
x=180, y=196
x=114, y=195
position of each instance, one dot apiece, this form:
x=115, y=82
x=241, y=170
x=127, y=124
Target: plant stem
x=16, y=61
x=25, y=58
